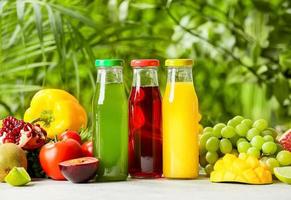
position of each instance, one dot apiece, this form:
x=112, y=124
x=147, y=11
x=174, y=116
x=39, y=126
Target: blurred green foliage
x=241, y=48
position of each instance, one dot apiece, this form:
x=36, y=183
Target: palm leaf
x=20, y=6
x=15, y=88
x=38, y=21
x=23, y=68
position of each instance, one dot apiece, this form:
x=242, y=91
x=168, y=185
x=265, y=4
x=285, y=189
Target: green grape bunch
x=241, y=135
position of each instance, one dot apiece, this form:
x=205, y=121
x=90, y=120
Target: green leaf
x=143, y=6
x=281, y=89
x=6, y=107
x=86, y=135
x=2, y=4
x=78, y=38
x=25, y=67
x=75, y=15
x=57, y=29
x=38, y=20
x=256, y=52
x=32, y=54
x=77, y=75
x=15, y=88
x=15, y=35
x=53, y=26
x=256, y=25
x=285, y=60
x=61, y=36
x=20, y=6
x=267, y=5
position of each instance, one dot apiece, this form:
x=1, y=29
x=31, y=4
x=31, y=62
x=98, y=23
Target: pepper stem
x=46, y=117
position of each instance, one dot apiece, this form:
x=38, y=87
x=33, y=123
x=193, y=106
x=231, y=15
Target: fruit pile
x=239, y=151
x=68, y=147
x=11, y=156
x=240, y=135
x=42, y=146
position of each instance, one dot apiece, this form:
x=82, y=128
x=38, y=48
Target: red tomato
x=52, y=154
x=87, y=149
x=70, y=134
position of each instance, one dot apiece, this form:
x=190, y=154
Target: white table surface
x=145, y=189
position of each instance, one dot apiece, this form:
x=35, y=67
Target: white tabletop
x=145, y=189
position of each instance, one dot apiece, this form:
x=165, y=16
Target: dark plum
x=79, y=170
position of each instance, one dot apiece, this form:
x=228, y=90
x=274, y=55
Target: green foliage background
x=241, y=48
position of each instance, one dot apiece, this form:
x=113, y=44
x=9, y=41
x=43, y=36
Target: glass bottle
x=180, y=122
x=110, y=121
x=145, y=121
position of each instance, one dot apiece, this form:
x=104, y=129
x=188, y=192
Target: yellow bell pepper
x=56, y=111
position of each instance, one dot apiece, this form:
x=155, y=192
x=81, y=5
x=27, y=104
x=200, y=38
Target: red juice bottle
x=145, y=121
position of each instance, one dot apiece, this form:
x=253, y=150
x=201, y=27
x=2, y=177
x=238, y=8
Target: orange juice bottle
x=180, y=122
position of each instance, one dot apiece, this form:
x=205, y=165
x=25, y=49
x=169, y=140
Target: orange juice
x=180, y=125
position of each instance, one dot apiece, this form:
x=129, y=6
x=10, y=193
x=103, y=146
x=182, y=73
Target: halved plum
x=79, y=170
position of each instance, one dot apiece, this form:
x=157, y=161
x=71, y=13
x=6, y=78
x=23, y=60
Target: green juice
x=110, y=131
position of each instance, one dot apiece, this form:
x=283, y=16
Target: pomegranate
x=27, y=136
x=285, y=140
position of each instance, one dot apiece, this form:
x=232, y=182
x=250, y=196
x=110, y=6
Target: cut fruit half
x=283, y=174
x=79, y=170
x=17, y=177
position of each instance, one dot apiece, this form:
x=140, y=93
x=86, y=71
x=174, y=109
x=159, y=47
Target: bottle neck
x=145, y=77
x=109, y=75
x=180, y=74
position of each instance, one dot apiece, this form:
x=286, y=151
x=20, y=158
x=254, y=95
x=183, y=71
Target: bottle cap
x=179, y=63
x=108, y=62
x=145, y=63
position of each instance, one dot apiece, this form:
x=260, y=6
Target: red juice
x=145, y=132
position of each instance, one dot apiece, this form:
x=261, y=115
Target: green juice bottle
x=110, y=121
